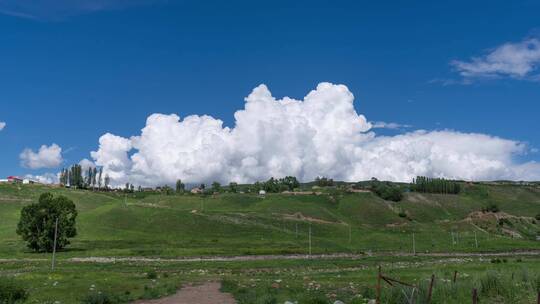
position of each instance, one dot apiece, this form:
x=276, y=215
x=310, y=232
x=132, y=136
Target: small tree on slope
x=37, y=223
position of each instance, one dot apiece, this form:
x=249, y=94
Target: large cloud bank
x=321, y=135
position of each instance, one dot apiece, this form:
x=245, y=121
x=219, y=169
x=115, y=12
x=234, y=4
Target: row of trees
x=324, y=181
x=275, y=185
x=435, y=185
x=272, y=185
x=75, y=176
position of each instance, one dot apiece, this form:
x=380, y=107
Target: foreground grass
x=273, y=281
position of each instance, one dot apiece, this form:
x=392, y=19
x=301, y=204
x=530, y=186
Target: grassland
x=172, y=226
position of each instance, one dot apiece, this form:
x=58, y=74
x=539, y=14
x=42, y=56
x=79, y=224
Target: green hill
x=150, y=224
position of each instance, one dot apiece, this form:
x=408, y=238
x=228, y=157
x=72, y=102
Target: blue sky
x=71, y=72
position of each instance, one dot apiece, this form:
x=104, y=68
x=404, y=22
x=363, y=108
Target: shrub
x=402, y=214
x=99, y=297
x=152, y=275
x=150, y=293
x=537, y=217
x=314, y=299
x=491, y=207
x=267, y=299
x=491, y=284
x=387, y=191
x=12, y=292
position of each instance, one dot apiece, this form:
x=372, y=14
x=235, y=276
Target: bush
x=267, y=299
x=152, y=275
x=491, y=207
x=37, y=223
x=314, y=299
x=491, y=284
x=537, y=217
x=387, y=191
x=98, y=298
x=12, y=292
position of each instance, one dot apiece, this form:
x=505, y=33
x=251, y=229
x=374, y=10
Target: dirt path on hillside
x=106, y=260
x=207, y=293
x=240, y=258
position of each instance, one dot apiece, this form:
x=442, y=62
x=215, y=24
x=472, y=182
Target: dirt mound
x=298, y=216
x=480, y=215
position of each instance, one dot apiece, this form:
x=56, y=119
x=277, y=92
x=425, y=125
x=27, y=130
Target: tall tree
x=216, y=187
x=100, y=177
x=107, y=181
x=180, y=187
x=233, y=187
x=94, y=172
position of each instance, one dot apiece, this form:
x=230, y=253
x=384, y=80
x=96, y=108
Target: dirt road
x=105, y=260
x=207, y=293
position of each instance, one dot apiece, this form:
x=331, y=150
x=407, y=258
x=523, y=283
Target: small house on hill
x=14, y=179
x=262, y=193
x=196, y=190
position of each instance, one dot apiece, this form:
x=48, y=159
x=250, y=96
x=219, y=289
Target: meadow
x=439, y=229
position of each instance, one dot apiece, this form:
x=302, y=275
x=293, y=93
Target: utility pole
x=413, y=245
x=350, y=234
x=54, y=244
x=309, y=239
x=378, y=288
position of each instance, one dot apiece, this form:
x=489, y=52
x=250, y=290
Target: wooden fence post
x=378, y=300
x=455, y=276
x=430, y=288
x=474, y=296
x=538, y=298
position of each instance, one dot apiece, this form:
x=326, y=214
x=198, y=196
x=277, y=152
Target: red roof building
x=14, y=179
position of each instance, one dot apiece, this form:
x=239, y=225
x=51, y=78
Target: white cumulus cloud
x=516, y=60
x=319, y=135
x=388, y=125
x=46, y=178
x=45, y=157
x=2, y=125
x=86, y=164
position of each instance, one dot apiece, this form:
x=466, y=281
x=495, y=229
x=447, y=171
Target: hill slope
x=239, y=224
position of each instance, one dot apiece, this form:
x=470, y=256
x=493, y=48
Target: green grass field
x=171, y=226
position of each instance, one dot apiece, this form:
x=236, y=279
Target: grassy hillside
x=239, y=224
x=152, y=225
